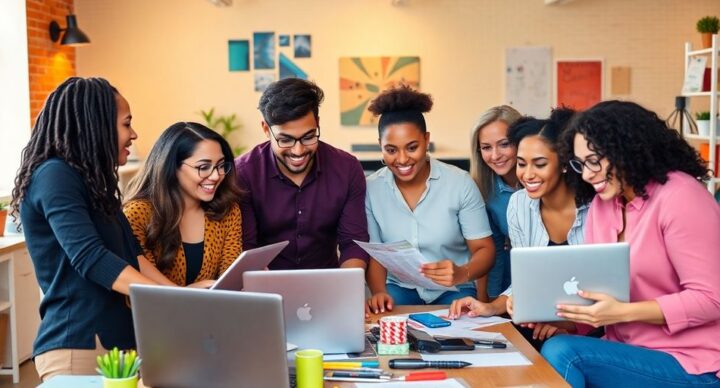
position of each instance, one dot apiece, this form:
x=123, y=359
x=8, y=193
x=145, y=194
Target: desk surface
x=540, y=373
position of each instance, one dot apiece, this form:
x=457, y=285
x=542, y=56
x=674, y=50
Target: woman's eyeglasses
x=206, y=169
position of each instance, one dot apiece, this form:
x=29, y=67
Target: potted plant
x=3, y=216
x=708, y=26
x=703, y=123
x=225, y=125
x=119, y=369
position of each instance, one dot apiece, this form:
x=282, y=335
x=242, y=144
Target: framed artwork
x=579, y=83
x=302, y=45
x=263, y=80
x=288, y=69
x=283, y=40
x=264, y=50
x=239, y=55
x=528, y=86
x=363, y=78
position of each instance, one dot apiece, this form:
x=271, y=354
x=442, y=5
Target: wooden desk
x=540, y=373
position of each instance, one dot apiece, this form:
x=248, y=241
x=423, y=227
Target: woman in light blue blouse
x=548, y=211
x=434, y=206
x=492, y=166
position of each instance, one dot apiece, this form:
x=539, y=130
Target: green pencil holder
x=128, y=382
x=309, y=368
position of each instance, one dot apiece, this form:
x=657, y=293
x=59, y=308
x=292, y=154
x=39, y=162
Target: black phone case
x=454, y=344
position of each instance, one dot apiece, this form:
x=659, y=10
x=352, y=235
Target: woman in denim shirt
x=492, y=167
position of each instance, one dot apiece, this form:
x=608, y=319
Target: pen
x=416, y=363
x=344, y=369
x=351, y=364
x=361, y=375
x=420, y=376
x=490, y=344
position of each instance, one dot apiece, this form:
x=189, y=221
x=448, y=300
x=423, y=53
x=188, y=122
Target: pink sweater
x=674, y=239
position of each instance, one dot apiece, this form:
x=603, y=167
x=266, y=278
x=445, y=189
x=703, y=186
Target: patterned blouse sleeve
x=138, y=214
x=232, y=246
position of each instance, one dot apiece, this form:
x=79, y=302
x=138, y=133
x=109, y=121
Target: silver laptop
x=324, y=308
x=251, y=260
x=543, y=277
x=202, y=338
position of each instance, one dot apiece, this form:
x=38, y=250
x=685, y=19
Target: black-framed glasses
x=592, y=164
x=286, y=141
x=206, y=169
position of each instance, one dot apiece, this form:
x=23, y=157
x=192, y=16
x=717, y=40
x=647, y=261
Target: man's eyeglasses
x=592, y=164
x=285, y=141
x=206, y=169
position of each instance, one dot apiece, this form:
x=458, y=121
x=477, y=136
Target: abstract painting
x=363, y=78
x=283, y=40
x=263, y=80
x=303, y=46
x=239, y=55
x=264, y=50
x=288, y=68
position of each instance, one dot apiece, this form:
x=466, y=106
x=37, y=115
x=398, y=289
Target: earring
x=564, y=170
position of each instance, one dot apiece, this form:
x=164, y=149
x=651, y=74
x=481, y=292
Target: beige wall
x=169, y=57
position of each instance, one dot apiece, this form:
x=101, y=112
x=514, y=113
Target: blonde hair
x=481, y=173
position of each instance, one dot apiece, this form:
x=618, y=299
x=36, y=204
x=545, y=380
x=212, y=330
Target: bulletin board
x=578, y=82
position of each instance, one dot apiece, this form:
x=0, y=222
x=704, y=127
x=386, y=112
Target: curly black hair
x=78, y=124
x=638, y=145
x=290, y=99
x=401, y=104
x=551, y=130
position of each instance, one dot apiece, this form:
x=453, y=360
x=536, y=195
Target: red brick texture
x=49, y=63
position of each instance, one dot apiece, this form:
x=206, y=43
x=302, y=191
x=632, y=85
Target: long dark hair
x=550, y=130
x=78, y=124
x=158, y=184
x=636, y=142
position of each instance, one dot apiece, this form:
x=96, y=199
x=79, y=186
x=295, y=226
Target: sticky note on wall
x=620, y=80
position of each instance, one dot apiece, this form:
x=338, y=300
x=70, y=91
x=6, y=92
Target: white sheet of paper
x=335, y=357
x=467, y=322
x=403, y=261
x=290, y=346
x=447, y=383
x=482, y=359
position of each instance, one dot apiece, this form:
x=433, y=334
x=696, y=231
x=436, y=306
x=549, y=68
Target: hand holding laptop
x=605, y=311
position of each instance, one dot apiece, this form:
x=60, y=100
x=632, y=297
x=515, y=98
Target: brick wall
x=49, y=62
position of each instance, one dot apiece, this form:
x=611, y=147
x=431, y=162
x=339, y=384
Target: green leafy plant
x=117, y=364
x=225, y=125
x=702, y=115
x=709, y=24
x=4, y=205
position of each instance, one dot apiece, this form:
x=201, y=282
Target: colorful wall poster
x=363, y=78
x=579, y=83
x=283, y=40
x=263, y=80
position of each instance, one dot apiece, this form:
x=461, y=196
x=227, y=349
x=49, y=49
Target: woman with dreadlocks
x=81, y=245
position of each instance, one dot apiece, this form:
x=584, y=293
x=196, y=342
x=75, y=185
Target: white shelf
x=4, y=305
x=698, y=94
x=700, y=52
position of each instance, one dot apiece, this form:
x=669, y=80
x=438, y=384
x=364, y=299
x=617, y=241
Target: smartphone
x=455, y=344
x=429, y=320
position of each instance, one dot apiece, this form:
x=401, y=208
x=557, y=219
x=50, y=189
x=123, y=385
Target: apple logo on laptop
x=303, y=313
x=571, y=286
x=209, y=344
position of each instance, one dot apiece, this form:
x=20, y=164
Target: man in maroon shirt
x=299, y=188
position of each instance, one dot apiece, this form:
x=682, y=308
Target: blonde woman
x=492, y=166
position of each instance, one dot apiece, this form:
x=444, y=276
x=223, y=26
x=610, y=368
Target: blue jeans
x=405, y=296
x=597, y=362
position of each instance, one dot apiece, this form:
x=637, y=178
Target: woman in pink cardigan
x=650, y=194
